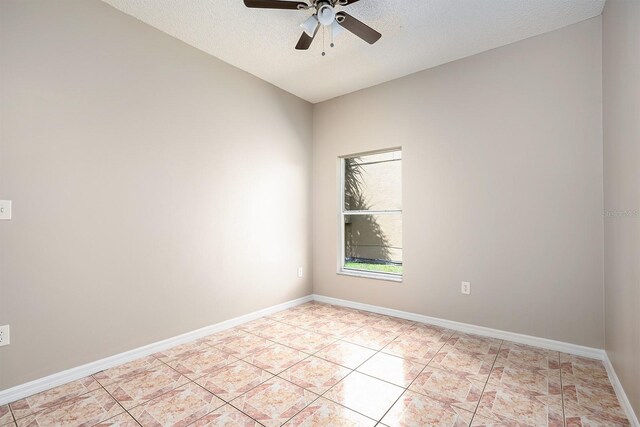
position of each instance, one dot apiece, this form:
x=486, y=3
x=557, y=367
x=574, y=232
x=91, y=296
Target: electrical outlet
x=5, y=209
x=299, y=271
x=466, y=288
x=4, y=335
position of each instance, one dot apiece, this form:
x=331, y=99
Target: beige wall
x=621, y=71
x=502, y=186
x=156, y=190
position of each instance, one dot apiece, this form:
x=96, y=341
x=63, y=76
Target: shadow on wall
x=364, y=238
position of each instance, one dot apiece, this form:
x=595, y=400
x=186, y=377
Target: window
x=371, y=215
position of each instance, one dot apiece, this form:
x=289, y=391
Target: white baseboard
x=622, y=396
x=23, y=390
x=578, y=350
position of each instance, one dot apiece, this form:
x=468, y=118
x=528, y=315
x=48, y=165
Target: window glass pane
x=373, y=182
x=373, y=243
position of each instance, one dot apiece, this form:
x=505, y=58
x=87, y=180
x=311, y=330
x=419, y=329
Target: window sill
x=370, y=275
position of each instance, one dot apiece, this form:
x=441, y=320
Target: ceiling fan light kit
x=325, y=16
x=310, y=25
x=336, y=29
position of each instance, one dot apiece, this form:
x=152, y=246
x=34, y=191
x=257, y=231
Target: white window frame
x=341, y=218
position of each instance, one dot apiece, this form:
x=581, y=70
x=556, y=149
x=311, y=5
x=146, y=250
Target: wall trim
x=578, y=350
x=27, y=389
x=622, y=396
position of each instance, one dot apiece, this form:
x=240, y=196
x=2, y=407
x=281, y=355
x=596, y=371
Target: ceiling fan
x=324, y=15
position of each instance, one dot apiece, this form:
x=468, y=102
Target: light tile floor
x=322, y=365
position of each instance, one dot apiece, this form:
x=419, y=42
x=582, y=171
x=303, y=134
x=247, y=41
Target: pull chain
x=323, y=31
x=331, y=35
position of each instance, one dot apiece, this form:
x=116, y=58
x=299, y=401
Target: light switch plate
x=5, y=209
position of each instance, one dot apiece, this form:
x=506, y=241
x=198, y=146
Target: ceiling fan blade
x=275, y=4
x=346, y=2
x=305, y=39
x=361, y=30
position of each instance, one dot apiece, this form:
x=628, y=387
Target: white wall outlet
x=299, y=271
x=5, y=209
x=466, y=288
x=4, y=335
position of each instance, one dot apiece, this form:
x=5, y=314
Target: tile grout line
x=15, y=422
x=269, y=379
x=305, y=406
x=342, y=379
x=224, y=404
x=147, y=401
x=293, y=348
x=564, y=416
x=399, y=397
x=379, y=351
x=274, y=375
x=198, y=385
x=190, y=381
x=194, y=380
x=503, y=342
x=487, y=382
x=237, y=409
x=392, y=355
x=339, y=338
x=307, y=355
x=229, y=402
x=327, y=390
x=370, y=376
x=119, y=404
x=413, y=380
x=64, y=400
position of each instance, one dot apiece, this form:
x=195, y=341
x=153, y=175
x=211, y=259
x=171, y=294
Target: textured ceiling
x=416, y=35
